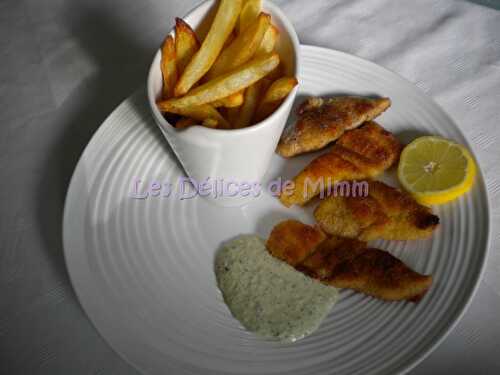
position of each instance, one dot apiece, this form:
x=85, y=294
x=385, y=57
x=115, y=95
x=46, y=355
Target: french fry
x=226, y=84
x=232, y=115
x=249, y=13
x=264, y=83
x=186, y=44
x=269, y=40
x=223, y=24
x=234, y=100
x=274, y=96
x=229, y=39
x=210, y=123
x=242, y=48
x=198, y=113
x=247, y=110
x=168, y=66
x=185, y=122
x=280, y=89
x=277, y=73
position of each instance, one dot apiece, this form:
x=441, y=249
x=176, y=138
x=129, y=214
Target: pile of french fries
x=233, y=79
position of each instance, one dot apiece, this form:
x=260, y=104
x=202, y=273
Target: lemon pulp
x=436, y=170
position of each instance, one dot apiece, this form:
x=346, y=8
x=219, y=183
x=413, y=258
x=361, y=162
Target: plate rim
x=448, y=327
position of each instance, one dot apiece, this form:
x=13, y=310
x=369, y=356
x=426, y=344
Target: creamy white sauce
x=268, y=296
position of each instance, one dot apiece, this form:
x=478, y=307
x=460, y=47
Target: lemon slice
x=436, y=170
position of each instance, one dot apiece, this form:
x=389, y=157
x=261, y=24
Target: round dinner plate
x=142, y=267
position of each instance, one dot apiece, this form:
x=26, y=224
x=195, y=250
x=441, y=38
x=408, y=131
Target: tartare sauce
x=268, y=296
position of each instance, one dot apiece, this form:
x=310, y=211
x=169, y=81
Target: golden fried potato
x=264, y=83
x=185, y=122
x=199, y=113
x=249, y=106
x=280, y=89
x=210, y=123
x=269, y=40
x=222, y=26
x=186, y=44
x=277, y=73
x=293, y=241
x=274, y=96
x=168, y=67
x=234, y=100
x=232, y=114
x=386, y=213
x=249, y=13
x=230, y=39
x=242, y=48
x=226, y=84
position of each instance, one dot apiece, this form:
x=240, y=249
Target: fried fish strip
x=324, y=120
x=348, y=263
x=386, y=213
x=331, y=252
x=292, y=241
x=359, y=154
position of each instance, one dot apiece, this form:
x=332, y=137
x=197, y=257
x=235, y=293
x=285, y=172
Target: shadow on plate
x=122, y=65
x=405, y=136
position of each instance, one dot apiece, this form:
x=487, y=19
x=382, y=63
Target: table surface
x=67, y=64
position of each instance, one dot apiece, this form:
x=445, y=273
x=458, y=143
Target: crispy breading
x=386, y=213
x=329, y=254
x=379, y=274
x=323, y=120
x=347, y=263
x=292, y=241
x=359, y=154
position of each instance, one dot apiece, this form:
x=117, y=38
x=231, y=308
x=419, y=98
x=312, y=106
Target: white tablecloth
x=67, y=64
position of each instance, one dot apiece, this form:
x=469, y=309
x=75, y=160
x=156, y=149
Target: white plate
x=143, y=269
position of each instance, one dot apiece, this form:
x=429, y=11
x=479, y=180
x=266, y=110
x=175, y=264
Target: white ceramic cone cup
x=237, y=156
